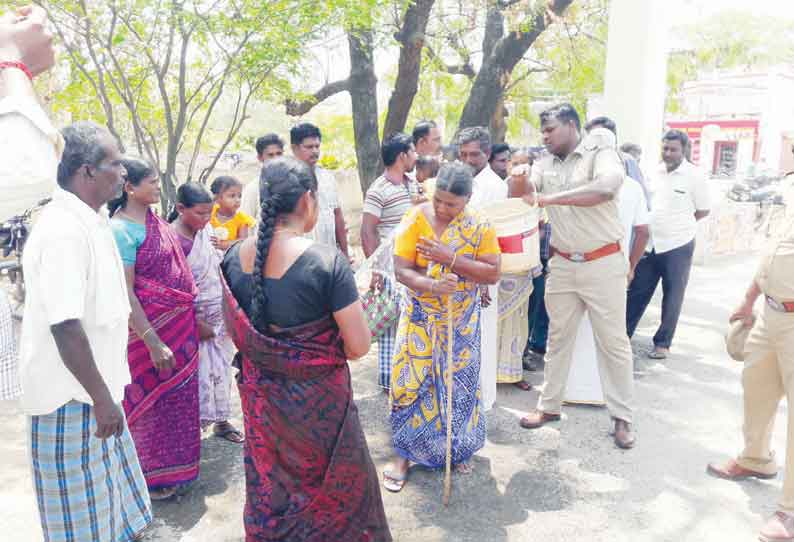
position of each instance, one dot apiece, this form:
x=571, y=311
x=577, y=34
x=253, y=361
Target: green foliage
x=338, y=145
x=177, y=78
x=441, y=97
x=729, y=40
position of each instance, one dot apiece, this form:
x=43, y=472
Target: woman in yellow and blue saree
x=441, y=250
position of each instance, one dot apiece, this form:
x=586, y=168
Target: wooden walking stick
x=448, y=473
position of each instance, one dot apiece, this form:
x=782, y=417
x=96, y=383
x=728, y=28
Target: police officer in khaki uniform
x=578, y=184
x=768, y=376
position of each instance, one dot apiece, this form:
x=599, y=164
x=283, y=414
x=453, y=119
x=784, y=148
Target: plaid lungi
x=9, y=362
x=386, y=341
x=88, y=489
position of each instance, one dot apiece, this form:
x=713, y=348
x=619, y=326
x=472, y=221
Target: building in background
x=739, y=122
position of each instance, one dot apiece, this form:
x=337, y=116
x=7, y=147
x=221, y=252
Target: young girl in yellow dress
x=227, y=220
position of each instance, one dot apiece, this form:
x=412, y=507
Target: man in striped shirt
x=387, y=200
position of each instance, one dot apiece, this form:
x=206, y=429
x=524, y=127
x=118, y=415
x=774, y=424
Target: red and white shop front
x=722, y=147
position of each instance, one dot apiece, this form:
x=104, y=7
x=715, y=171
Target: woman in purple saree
x=161, y=403
x=292, y=309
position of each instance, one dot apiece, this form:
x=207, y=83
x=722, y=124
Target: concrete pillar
x=635, y=82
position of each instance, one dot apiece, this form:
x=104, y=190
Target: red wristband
x=17, y=65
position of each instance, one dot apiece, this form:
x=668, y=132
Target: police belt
x=780, y=306
x=605, y=250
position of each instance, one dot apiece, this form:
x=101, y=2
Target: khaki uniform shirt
x=582, y=229
x=775, y=275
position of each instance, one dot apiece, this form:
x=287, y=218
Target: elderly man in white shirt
x=680, y=199
x=488, y=188
x=73, y=367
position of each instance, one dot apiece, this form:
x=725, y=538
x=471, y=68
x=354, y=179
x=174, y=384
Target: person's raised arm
x=607, y=179
x=162, y=356
x=24, y=39
x=518, y=186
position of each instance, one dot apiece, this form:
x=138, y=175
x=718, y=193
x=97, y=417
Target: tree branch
x=458, y=69
x=297, y=109
x=236, y=126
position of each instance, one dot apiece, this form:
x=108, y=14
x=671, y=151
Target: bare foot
x=463, y=468
x=523, y=385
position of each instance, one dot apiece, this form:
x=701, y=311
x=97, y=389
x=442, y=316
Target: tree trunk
x=169, y=183
x=498, y=124
x=494, y=75
x=364, y=98
x=411, y=38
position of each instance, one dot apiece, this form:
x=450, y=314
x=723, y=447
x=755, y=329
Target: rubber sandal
x=229, y=433
x=394, y=482
x=162, y=494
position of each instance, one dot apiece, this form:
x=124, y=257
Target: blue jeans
x=538, y=318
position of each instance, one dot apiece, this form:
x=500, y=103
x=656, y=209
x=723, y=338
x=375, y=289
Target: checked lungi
x=386, y=341
x=9, y=359
x=88, y=489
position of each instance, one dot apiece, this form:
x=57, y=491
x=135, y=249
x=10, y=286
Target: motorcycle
x=14, y=233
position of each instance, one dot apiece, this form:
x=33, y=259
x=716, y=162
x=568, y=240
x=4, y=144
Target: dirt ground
x=563, y=482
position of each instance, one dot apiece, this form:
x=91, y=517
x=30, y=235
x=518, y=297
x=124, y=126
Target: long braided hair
x=282, y=183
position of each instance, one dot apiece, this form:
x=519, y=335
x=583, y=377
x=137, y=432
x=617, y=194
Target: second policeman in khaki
x=578, y=184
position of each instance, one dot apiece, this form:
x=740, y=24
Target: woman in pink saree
x=161, y=403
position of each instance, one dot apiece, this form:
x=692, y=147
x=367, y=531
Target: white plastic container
x=516, y=225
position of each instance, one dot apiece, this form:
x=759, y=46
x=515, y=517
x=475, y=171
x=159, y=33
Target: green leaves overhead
x=163, y=74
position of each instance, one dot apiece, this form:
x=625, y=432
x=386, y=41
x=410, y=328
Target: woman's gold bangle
x=454, y=259
x=143, y=336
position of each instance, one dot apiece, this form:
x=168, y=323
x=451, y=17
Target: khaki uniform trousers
x=599, y=287
x=767, y=377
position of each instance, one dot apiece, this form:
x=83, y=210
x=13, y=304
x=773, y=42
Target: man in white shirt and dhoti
x=488, y=188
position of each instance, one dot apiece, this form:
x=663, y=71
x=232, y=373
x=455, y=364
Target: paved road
x=562, y=482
